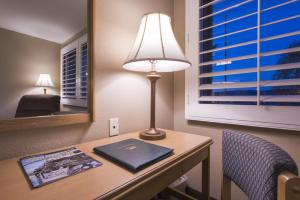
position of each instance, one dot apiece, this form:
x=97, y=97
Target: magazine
x=45, y=168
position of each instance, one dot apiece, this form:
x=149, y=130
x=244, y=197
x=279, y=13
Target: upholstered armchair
x=262, y=170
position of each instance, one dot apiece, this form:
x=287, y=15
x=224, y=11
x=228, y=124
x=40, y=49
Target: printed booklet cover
x=133, y=154
x=45, y=168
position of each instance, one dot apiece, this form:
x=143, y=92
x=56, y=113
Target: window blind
x=84, y=72
x=249, y=52
x=69, y=74
x=74, y=66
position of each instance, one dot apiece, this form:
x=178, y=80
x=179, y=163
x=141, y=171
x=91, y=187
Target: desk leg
x=205, y=176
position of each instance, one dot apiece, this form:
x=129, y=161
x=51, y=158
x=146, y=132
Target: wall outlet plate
x=113, y=127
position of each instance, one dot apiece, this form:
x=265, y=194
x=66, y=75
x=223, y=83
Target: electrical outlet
x=113, y=126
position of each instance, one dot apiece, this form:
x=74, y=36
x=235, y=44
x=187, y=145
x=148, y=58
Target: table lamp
x=44, y=81
x=155, y=50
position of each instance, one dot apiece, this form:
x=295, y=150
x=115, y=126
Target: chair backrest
x=254, y=164
x=38, y=105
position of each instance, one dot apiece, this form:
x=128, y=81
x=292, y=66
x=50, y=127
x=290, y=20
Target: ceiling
x=53, y=20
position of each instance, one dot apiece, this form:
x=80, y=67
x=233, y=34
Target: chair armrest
x=288, y=186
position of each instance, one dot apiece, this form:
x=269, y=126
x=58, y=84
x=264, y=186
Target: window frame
x=78, y=100
x=278, y=117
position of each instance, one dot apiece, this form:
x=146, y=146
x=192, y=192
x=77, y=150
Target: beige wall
x=288, y=140
x=119, y=93
x=22, y=59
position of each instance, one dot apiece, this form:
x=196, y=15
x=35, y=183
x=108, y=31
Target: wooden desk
x=111, y=181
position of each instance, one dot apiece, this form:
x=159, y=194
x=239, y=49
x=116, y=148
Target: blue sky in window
x=292, y=25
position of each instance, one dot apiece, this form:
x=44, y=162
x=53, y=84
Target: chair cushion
x=254, y=164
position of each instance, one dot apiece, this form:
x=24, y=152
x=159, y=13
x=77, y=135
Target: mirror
x=45, y=61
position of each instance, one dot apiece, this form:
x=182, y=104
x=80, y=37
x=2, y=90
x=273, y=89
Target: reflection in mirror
x=43, y=57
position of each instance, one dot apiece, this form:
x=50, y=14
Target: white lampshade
x=44, y=81
x=156, y=42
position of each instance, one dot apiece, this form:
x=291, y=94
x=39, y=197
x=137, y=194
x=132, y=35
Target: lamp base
x=152, y=134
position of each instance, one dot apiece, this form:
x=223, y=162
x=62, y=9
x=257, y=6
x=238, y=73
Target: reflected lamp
x=44, y=80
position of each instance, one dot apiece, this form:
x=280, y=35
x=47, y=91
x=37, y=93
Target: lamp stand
x=45, y=91
x=152, y=133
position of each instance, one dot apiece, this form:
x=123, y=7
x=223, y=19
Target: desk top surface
x=97, y=182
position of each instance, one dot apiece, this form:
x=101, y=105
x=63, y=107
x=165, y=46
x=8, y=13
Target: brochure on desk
x=45, y=168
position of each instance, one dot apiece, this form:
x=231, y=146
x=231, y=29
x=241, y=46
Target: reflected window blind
x=74, y=74
x=249, y=52
x=84, y=72
x=69, y=75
